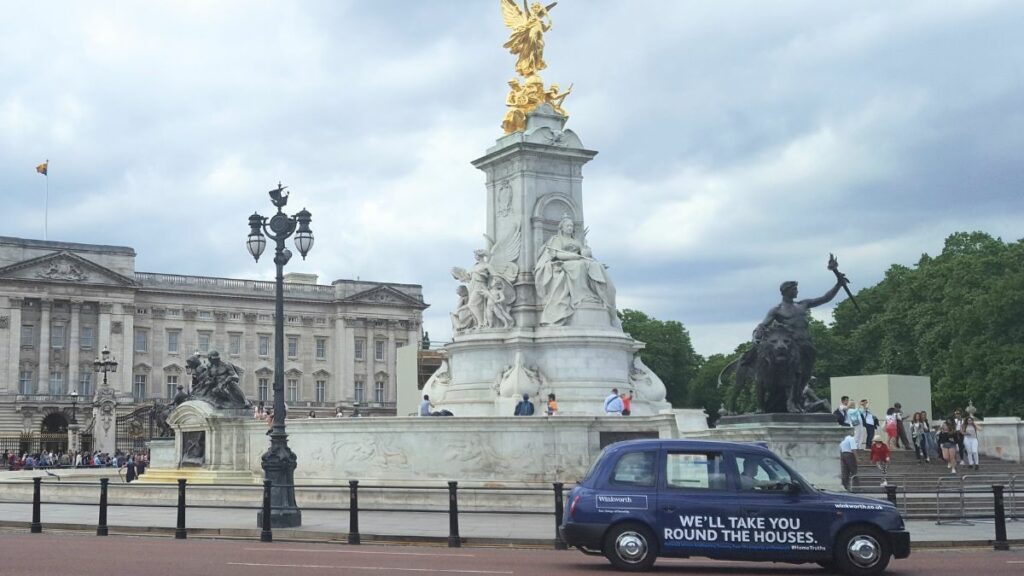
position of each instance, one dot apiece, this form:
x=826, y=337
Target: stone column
x=72, y=344
x=342, y=359
x=128, y=347
x=14, y=344
x=44, y=346
x=391, y=388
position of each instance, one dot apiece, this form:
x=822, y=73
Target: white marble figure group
x=486, y=294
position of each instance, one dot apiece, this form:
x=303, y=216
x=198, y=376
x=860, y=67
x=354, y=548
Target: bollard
x=559, y=508
x=1000, y=542
x=453, y=515
x=266, y=534
x=890, y=494
x=36, y=526
x=101, y=528
x=180, y=533
x=353, y=511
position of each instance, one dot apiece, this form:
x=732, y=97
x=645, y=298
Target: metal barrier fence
x=266, y=529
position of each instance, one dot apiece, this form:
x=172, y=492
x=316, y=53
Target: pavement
x=324, y=525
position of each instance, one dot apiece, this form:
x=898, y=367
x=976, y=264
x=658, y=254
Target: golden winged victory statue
x=528, y=25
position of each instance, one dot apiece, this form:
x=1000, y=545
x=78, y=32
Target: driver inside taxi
x=748, y=478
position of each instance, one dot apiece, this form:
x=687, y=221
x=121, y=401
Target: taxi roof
x=684, y=443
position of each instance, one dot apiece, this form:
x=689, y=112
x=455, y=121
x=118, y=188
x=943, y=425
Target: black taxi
x=678, y=498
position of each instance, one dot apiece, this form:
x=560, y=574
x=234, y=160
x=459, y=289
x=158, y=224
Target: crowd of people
x=952, y=440
x=135, y=463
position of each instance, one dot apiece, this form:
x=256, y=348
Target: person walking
x=947, y=442
x=890, y=427
x=917, y=436
x=931, y=444
x=880, y=455
x=869, y=421
x=848, y=461
x=970, y=433
x=958, y=435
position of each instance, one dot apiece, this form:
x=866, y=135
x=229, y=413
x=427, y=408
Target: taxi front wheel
x=862, y=551
x=630, y=546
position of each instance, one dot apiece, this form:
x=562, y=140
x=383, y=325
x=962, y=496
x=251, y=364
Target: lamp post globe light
x=279, y=461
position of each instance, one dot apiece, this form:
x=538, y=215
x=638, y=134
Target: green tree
x=957, y=317
x=704, y=391
x=668, y=351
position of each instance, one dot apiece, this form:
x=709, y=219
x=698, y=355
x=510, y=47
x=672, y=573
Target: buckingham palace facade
x=61, y=303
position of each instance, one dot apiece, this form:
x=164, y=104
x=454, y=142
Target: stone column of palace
x=44, y=346
x=369, y=360
x=13, y=344
x=391, y=389
x=128, y=347
x=342, y=359
x=72, y=344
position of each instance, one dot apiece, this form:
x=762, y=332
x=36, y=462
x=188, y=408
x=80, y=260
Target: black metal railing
x=452, y=511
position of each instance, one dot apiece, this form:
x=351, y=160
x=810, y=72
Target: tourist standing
x=524, y=407
x=970, y=433
x=869, y=421
x=613, y=404
x=841, y=411
x=931, y=444
x=900, y=429
x=848, y=461
x=627, y=403
x=552, y=408
x=425, y=405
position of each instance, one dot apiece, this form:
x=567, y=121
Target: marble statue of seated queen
x=568, y=278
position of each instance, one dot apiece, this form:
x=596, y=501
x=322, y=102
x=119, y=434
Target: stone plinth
x=805, y=441
x=1002, y=437
x=914, y=393
x=161, y=454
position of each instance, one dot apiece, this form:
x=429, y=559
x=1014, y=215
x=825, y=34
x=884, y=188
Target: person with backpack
x=524, y=407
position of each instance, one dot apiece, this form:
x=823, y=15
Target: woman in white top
x=970, y=430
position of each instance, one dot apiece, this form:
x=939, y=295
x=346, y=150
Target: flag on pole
x=42, y=167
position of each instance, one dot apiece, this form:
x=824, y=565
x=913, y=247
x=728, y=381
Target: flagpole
x=46, y=202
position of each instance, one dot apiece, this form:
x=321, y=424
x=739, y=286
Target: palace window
x=380, y=350
x=142, y=340
x=263, y=389
x=360, y=349
x=139, y=387
x=173, y=336
x=264, y=345
x=86, y=338
x=321, y=390
x=27, y=335
x=293, y=346
x=360, y=390
x=378, y=392
x=57, y=336
x=25, y=382
x=57, y=387
x=204, y=342
x=172, y=385
x=293, y=390
x=85, y=383
x=321, y=348
x=234, y=344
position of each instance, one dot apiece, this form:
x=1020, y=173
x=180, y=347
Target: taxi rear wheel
x=630, y=546
x=862, y=551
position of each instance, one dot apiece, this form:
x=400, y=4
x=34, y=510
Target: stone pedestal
x=807, y=442
x=210, y=446
x=1002, y=437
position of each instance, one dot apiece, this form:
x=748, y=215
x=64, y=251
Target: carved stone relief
x=5, y=322
x=62, y=269
x=116, y=327
x=504, y=200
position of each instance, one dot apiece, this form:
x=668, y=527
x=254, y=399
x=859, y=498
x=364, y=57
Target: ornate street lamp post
x=105, y=364
x=279, y=461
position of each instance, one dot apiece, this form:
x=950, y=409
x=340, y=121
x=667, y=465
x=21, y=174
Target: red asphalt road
x=66, y=554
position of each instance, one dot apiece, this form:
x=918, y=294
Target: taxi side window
x=695, y=471
x=635, y=469
x=761, y=474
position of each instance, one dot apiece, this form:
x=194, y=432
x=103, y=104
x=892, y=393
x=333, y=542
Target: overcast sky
x=740, y=142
